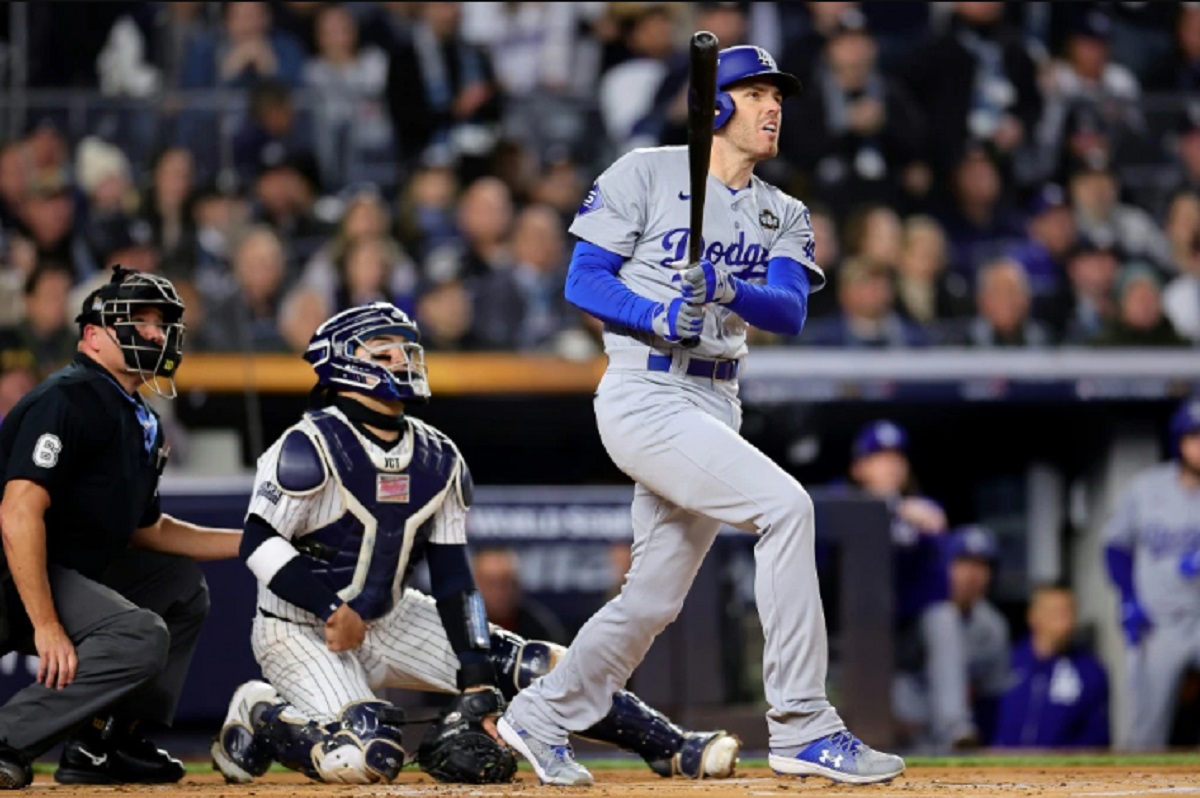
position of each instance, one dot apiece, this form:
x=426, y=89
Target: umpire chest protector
x=388, y=502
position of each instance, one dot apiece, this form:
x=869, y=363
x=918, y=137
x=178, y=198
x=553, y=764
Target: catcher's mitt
x=457, y=749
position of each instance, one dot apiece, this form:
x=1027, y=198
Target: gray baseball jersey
x=1158, y=520
x=639, y=208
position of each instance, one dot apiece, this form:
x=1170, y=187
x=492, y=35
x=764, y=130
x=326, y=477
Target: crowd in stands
x=979, y=174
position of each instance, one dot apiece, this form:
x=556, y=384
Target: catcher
x=344, y=505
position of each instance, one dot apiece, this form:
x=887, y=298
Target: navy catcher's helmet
x=113, y=305
x=333, y=346
x=1185, y=421
x=747, y=61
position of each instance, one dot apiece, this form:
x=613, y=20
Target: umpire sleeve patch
x=300, y=468
x=46, y=450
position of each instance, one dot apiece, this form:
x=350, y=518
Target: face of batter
x=755, y=126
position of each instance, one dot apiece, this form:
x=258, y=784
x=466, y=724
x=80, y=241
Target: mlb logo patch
x=392, y=488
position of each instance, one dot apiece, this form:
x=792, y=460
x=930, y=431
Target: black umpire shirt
x=98, y=451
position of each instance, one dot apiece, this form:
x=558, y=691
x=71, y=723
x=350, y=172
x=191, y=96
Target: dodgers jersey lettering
x=1159, y=521
x=639, y=209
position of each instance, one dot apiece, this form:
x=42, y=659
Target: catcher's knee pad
x=375, y=728
x=518, y=661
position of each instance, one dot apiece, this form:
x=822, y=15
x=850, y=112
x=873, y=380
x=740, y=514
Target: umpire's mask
x=113, y=306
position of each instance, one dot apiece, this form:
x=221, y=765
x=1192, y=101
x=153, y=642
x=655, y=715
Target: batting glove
x=703, y=283
x=678, y=320
x=1189, y=564
x=1134, y=621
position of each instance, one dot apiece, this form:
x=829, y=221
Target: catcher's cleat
x=712, y=755
x=237, y=752
x=554, y=764
x=16, y=771
x=111, y=756
x=841, y=757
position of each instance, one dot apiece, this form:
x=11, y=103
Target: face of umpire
x=100, y=344
x=754, y=127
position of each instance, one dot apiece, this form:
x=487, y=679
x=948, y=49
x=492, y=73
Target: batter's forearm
x=1120, y=570
x=593, y=286
x=780, y=306
x=24, y=535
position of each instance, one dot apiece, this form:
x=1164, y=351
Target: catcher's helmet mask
x=114, y=306
x=333, y=352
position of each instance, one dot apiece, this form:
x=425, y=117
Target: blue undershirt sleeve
x=1120, y=570
x=593, y=286
x=780, y=306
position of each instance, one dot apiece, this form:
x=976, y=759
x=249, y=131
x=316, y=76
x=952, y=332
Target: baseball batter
x=1153, y=553
x=669, y=417
x=345, y=504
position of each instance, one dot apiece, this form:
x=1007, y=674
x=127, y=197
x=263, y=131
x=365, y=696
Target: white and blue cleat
x=841, y=757
x=554, y=764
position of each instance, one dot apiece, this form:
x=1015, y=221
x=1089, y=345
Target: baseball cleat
x=15, y=769
x=554, y=764
x=712, y=755
x=237, y=753
x=841, y=757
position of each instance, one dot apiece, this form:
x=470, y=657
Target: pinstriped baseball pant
x=406, y=649
x=676, y=437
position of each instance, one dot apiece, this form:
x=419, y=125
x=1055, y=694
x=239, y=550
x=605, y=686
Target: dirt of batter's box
x=975, y=782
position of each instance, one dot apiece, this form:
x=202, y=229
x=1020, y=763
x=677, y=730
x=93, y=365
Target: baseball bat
x=702, y=107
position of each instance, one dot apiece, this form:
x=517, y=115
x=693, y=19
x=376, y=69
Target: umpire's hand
x=345, y=629
x=56, y=656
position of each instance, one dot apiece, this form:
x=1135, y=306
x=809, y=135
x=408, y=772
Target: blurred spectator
x=302, y=311
x=347, y=82
x=1102, y=218
x=484, y=220
x=49, y=153
x=299, y=19
x=216, y=215
x=374, y=269
x=561, y=187
x=272, y=132
x=975, y=82
x=1184, y=173
x=1002, y=300
x=1140, y=320
x=47, y=329
x=876, y=234
x=16, y=173
x=1090, y=305
x=828, y=254
x=823, y=21
x=1180, y=71
x=442, y=93
x=972, y=553
x=930, y=691
x=1087, y=84
x=1059, y=695
x=167, y=209
x=285, y=197
x=245, y=320
x=445, y=316
x=48, y=214
x=523, y=307
x=1181, y=298
x=425, y=220
x=103, y=174
x=979, y=224
x=531, y=45
x=499, y=583
x=926, y=293
x=867, y=318
x=18, y=370
x=177, y=24
x=245, y=52
x=854, y=132
x=1043, y=255
x=365, y=216
x=626, y=92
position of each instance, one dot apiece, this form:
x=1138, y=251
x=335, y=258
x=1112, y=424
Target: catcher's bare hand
x=488, y=721
x=345, y=629
x=57, y=661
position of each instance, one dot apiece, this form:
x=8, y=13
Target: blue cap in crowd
x=879, y=436
x=1094, y=25
x=1049, y=198
x=973, y=541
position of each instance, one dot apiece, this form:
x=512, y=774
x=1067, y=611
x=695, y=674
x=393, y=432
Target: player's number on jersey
x=45, y=452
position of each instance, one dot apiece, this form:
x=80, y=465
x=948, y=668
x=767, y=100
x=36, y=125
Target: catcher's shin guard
x=293, y=740
x=376, y=728
x=240, y=751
